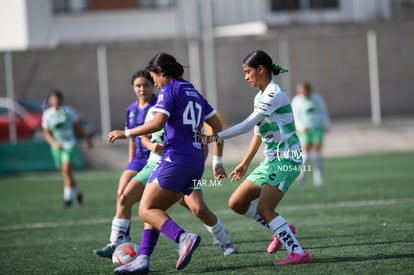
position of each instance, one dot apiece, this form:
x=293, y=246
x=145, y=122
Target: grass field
x=360, y=222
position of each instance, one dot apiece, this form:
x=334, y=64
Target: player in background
x=61, y=125
x=143, y=86
x=273, y=124
x=181, y=110
x=311, y=120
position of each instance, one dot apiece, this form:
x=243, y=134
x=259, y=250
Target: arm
x=242, y=127
x=218, y=169
x=131, y=149
x=216, y=125
x=153, y=147
x=252, y=150
x=241, y=169
x=147, y=128
x=205, y=149
x=49, y=138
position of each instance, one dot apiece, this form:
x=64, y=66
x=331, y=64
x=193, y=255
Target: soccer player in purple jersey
x=143, y=86
x=181, y=111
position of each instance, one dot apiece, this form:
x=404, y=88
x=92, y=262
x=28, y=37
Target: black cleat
x=79, y=199
x=67, y=204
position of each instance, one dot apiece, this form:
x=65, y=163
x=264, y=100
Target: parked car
x=28, y=124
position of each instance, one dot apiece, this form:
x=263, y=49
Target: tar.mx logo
x=207, y=183
x=287, y=154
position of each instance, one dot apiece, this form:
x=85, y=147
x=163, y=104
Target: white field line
x=301, y=207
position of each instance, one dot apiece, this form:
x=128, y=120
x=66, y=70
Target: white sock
x=252, y=214
x=319, y=163
x=282, y=231
x=118, y=231
x=67, y=193
x=219, y=232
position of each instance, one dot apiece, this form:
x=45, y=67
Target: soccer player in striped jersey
x=181, y=110
x=312, y=120
x=60, y=125
x=273, y=124
x=143, y=86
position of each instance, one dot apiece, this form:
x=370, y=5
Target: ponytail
x=257, y=58
x=167, y=65
x=276, y=69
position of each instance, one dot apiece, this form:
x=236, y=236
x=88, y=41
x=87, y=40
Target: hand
x=116, y=134
x=219, y=172
x=157, y=148
x=58, y=146
x=238, y=172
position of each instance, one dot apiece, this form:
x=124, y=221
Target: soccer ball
x=125, y=253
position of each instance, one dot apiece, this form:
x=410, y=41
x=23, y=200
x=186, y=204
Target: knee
x=122, y=199
x=143, y=212
x=238, y=206
x=64, y=172
x=198, y=211
x=120, y=196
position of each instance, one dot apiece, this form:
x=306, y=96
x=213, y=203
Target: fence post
x=103, y=91
x=374, y=78
x=8, y=67
x=284, y=61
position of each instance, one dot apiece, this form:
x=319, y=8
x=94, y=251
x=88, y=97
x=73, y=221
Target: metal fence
x=355, y=81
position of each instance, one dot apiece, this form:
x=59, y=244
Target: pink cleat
x=275, y=244
x=295, y=258
x=188, y=243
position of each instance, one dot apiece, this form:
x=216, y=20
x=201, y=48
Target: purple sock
x=149, y=239
x=172, y=230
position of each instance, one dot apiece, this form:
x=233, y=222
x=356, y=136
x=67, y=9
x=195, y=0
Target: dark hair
x=168, y=65
x=257, y=58
x=56, y=93
x=142, y=73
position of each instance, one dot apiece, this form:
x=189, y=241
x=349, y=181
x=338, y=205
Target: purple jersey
x=186, y=109
x=135, y=116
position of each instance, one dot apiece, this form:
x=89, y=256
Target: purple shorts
x=176, y=177
x=136, y=164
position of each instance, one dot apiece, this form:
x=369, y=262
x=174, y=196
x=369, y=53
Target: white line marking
x=302, y=207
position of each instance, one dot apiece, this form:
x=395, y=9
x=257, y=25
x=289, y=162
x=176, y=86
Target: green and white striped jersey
x=277, y=129
x=60, y=123
x=156, y=137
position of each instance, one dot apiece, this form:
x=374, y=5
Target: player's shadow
x=361, y=258
x=260, y=245
x=308, y=237
x=213, y=269
x=358, y=244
